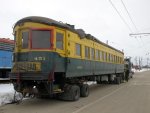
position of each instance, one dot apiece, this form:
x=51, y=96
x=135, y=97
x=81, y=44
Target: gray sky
x=96, y=17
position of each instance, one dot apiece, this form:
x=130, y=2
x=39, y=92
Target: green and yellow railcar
x=56, y=58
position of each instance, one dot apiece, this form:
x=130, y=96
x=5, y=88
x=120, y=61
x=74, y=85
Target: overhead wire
x=131, y=19
x=125, y=21
x=122, y=19
x=120, y=15
x=129, y=15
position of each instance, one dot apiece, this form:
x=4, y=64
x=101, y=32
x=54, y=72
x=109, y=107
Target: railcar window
x=116, y=59
x=100, y=55
x=109, y=57
x=78, y=49
x=104, y=56
x=93, y=54
x=41, y=39
x=25, y=38
x=97, y=55
x=113, y=57
x=87, y=52
x=59, y=40
x=119, y=60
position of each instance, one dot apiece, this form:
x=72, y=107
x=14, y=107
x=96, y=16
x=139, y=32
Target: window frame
x=76, y=50
x=88, y=52
x=104, y=56
x=62, y=40
x=21, y=33
x=100, y=55
x=92, y=54
x=51, y=38
x=97, y=54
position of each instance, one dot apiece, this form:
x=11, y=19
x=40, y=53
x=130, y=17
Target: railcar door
x=60, y=45
x=60, y=42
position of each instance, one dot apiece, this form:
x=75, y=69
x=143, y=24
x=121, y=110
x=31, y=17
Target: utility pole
x=139, y=63
x=147, y=54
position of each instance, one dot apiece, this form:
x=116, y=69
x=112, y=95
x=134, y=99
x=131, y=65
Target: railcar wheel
x=84, y=90
x=75, y=92
x=71, y=93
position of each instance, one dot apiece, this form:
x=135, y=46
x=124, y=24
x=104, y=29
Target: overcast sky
x=96, y=17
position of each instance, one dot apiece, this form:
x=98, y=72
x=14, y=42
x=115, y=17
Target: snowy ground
x=142, y=70
x=7, y=94
x=7, y=91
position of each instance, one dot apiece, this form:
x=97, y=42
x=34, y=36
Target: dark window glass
x=78, y=49
x=108, y=57
x=87, y=52
x=59, y=40
x=105, y=55
x=25, y=38
x=97, y=55
x=117, y=59
x=100, y=55
x=93, y=54
x=40, y=39
x=112, y=58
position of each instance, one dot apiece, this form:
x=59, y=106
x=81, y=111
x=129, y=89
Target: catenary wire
x=120, y=15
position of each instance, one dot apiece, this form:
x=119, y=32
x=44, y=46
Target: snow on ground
x=142, y=70
x=7, y=94
x=7, y=90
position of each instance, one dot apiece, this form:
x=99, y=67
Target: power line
x=120, y=15
x=131, y=18
x=137, y=34
x=129, y=15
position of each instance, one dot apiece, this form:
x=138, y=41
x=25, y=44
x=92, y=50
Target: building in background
x=6, y=52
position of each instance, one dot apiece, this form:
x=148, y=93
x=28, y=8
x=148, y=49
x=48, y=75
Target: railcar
x=6, y=53
x=52, y=57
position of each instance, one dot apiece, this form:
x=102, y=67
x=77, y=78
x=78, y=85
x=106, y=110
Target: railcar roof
x=7, y=40
x=48, y=21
